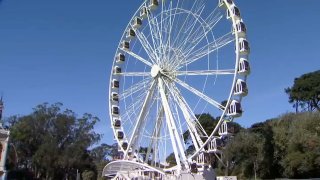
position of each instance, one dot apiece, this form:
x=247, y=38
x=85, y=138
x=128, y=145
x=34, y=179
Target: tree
x=269, y=167
x=305, y=92
x=244, y=155
x=297, y=143
x=53, y=143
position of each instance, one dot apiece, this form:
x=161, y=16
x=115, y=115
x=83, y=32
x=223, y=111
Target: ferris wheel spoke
x=153, y=33
x=166, y=27
x=140, y=118
x=158, y=35
x=209, y=48
x=196, y=36
x=204, y=72
x=139, y=58
x=134, y=88
x=134, y=74
x=146, y=46
x=199, y=94
x=189, y=117
x=166, y=44
x=181, y=34
x=190, y=29
x=183, y=103
x=155, y=134
x=131, y=109
x=201, y=33
x=174, y=136
x=178, y=119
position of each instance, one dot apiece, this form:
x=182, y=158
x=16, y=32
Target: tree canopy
x=305, y=92
x=53, y=143
x=288, y=146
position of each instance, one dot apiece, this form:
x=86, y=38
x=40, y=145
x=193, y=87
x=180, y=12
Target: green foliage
x=171, y=160
x=88, y=175
x=244, y=154
x=54, y=143
x=207, y=122
x=297, y=140
x=305, y=92
x=284, y=147
x=100, y=153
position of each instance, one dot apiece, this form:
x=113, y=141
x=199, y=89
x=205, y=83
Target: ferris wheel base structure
x=128, y=170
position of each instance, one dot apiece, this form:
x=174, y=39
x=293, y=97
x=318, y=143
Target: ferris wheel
x=176, y=60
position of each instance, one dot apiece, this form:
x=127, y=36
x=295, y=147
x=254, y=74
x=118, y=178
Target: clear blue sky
x=61, y=51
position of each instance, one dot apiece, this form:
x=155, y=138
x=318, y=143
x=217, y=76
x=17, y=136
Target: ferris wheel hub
x=155, y=70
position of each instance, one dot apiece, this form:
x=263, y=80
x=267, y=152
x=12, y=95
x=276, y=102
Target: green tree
x=298, y=144
x=53, y=143
x=243, y=155
x=305, y=92
x=269, y=167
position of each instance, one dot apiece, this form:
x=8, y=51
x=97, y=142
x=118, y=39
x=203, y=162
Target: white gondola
x=130, y=34
x=115, y=97
x=241, y=29
x=226, y=129
x=125, y=45
x=244, y=67
x=244, y=47
x=137, y=22
x=240, y=88
x=222, y=4
x=153, y=4
x=234, y=109
x=120, y=134
x=115, y=84
x=115, y=110
x=120, y=58
x=215, y=145
x=117, y=123
x=144, y=12
x=203, y=159
x=116, y=70
x=234, y=12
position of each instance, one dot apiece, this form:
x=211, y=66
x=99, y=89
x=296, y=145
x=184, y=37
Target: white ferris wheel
x=176, y=60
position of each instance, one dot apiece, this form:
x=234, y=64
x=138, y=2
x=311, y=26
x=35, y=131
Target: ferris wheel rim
x=195, y=73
